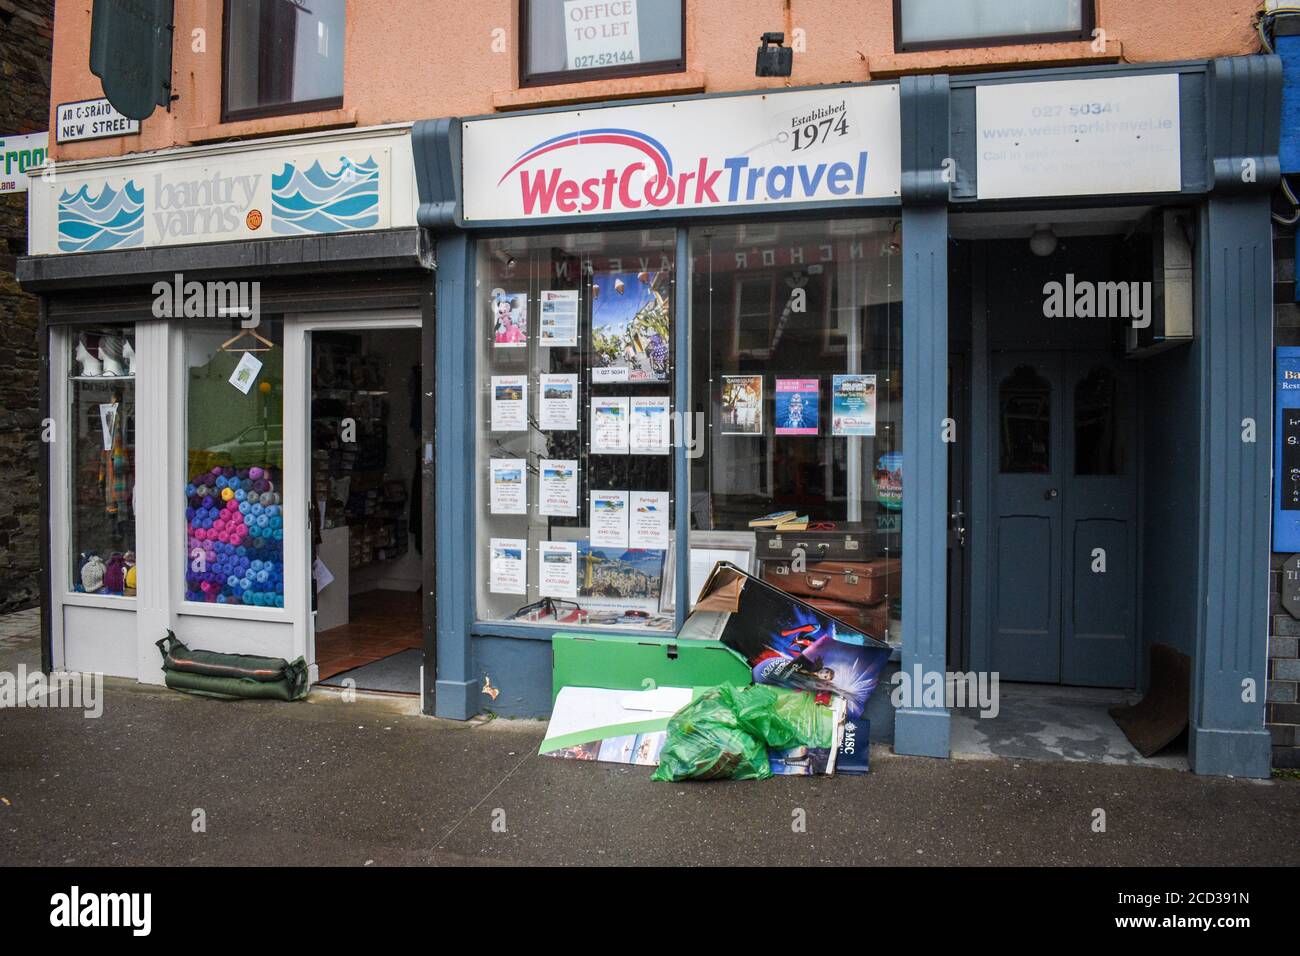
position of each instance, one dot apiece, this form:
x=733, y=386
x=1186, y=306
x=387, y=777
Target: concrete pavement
x=370, y=782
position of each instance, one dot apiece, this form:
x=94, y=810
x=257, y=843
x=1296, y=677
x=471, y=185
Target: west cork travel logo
x=650, y=179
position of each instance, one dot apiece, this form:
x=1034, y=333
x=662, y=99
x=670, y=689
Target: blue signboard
x=1286, y=461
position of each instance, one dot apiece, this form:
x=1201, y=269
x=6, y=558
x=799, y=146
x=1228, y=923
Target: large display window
x=796, y=362
x=576, y=368
x=101, y=392
x=234, y=464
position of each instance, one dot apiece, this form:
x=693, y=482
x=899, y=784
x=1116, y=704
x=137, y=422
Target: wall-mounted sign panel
x=19, y=154
x=1078, y=137
x=316, y=185
x=806, y=146
x=91, y=119
x=1286, y=462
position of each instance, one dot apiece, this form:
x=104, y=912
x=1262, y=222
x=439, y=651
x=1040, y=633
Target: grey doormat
x=395, y=674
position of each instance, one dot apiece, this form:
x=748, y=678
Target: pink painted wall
x=412, y=59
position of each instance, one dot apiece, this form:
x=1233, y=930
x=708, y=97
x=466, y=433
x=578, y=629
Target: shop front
x=858, y=326
x=233, y=413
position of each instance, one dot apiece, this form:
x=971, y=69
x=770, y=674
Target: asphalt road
x=329, y=782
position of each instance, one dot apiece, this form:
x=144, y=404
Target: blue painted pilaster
x=1235, y=343
x=456, y=693
x=921, y=730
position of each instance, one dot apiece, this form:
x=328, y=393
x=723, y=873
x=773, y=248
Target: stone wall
x=26, y=35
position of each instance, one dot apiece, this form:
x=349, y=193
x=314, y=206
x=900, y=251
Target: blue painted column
x=921, y=730
x=456, y=693
x=1235, y=338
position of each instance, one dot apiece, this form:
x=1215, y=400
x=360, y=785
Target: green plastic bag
x=725, y=732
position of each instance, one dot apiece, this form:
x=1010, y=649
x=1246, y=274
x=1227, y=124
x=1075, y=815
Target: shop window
x=575, y=502
x=566, y=41
x=1098, y=442
x=101, y=389
x=796, y=386
x=1025, y=417
x=234, y=470
x=945, y=24
x=282, y=56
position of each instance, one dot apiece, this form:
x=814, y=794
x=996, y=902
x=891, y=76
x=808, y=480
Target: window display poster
x=559, y=321
x=509, y=403
x=630, y=326
x=648, y=426
x=609, y=426
x=601, y=34
x=558, y=494
x=742, y=404
x=853, y=405
x=508, y=572
x=245, y=373
x=796, y=406
x=609, y=524
x=557, y=569
x=648, y=524
x=509, y=486
x=559, y=405
x=620, y=580
x=509, y=319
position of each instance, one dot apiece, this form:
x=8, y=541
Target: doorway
x=364, y=433
x=1063, y=520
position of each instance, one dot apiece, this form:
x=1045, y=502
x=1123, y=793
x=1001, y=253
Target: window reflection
x=1025, y=417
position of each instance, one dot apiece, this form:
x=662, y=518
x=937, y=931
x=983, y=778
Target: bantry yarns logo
x=95, y=222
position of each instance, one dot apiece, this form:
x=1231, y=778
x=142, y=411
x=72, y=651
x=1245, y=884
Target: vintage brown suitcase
x=872, y=621
x=847, y=582
x=848, y=542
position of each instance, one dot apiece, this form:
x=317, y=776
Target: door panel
x=1026, y=606
x=1099, y=639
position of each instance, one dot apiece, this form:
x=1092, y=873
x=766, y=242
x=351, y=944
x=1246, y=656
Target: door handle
x=1050, y=494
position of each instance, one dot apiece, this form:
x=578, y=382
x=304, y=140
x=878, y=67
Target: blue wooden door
x=1062, y=579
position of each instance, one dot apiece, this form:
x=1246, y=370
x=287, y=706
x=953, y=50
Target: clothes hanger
x=267, y=344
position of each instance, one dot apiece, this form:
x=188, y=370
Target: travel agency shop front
x=232, y=395
x=661, y=320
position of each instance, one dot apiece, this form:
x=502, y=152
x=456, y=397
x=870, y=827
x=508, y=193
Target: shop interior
x=1065, y=513
x=366, y=507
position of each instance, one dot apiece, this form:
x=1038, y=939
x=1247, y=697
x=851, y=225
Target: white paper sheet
x=609, y=521
x=559, y=321
x=648, y=523
x=557, y=569
x=649, y=426
x=609, y=426
x=509, y=403
x=558, y=409
x=509, y=572
x=558, y=488
x=509, y=477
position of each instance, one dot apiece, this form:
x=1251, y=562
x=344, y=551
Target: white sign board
x=1078, y=137
x=91, y=119
x=316, y=185
x=19, y=154
x=599, y=33
x=804, y=146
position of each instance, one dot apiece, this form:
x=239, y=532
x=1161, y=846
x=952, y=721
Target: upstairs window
x=282, y=56
x=945, y=24
x=567, y=41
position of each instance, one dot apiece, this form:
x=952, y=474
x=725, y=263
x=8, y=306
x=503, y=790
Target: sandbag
x=233, y=676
